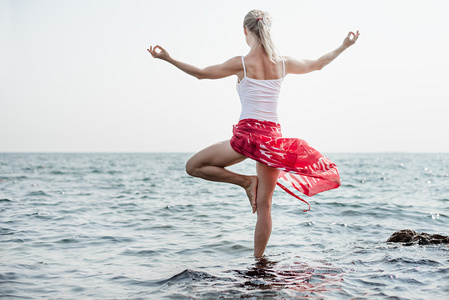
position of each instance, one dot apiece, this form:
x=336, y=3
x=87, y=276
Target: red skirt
x=302, y=167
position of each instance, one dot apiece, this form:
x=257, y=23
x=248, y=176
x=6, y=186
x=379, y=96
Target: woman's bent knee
x=193, y=166
x=190, y=168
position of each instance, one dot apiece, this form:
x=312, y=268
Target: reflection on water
x=266, y=278
x=268, y=274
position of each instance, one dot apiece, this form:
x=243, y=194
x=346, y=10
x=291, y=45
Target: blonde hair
x=259, y=23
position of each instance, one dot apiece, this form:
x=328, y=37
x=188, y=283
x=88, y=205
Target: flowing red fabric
x=302, y=167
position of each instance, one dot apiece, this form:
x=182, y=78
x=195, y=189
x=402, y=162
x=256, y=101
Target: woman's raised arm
x=228, y=68
x=302, y=66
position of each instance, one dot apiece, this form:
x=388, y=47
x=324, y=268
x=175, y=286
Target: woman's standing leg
x=267, y=177
x=210, y=164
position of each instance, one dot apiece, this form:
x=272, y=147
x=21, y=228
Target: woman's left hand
x=351, y=39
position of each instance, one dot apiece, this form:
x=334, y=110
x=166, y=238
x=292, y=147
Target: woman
x=257, y=135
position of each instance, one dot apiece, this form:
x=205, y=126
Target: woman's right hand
x=161, y=54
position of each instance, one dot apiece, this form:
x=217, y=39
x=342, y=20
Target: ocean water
x=136, y=226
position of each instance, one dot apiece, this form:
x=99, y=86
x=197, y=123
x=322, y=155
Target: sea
x=136, y=226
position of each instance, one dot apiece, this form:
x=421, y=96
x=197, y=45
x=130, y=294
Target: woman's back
x=259, y=87
x=259, y=66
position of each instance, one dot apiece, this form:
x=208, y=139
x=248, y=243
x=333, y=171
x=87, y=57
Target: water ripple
x=135, y=226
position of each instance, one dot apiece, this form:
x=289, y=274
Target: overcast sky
x=75, y=75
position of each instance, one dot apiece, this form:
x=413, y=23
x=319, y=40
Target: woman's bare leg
x=210, y=164
x=267, y=177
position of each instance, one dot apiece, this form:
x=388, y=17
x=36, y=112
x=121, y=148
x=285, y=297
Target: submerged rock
x=410, y=237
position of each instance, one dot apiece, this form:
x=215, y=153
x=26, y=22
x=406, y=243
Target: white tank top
x=259, y=98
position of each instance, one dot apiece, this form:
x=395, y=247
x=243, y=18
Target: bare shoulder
x=290, y=60
x=296, y=66
x=234, y=65
x=235, y=62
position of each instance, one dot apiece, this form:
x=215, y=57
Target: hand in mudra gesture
x=351, y=38
x=161, y=54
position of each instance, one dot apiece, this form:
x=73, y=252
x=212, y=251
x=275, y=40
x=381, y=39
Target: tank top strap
x=243, y=63
x=283, y=66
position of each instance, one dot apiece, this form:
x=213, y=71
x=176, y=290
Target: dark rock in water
x=410, y=237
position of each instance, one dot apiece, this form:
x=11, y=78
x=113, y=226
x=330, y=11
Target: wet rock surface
x=410, y=237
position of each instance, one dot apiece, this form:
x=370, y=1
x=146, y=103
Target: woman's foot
x=251, y=192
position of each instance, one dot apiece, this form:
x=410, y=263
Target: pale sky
x=75, y=76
